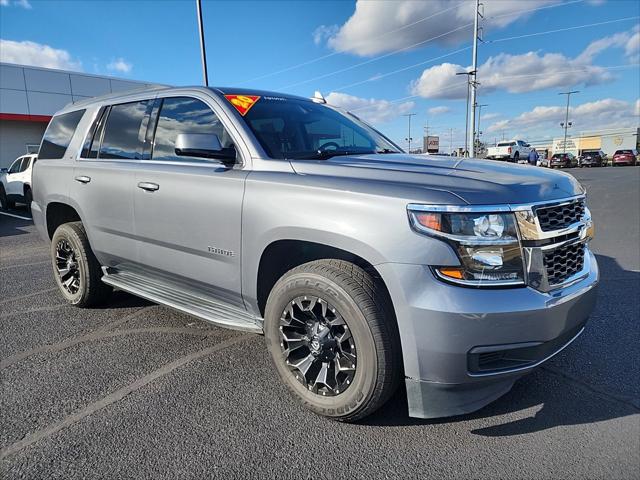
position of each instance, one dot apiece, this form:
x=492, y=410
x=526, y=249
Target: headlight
x=486, y=243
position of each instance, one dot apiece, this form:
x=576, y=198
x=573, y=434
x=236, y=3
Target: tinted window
x=124, y=131
x=25, y=163
x=59, y=133
x=184, y=115
x=15, y=166
x=624, y=152
x=507, y=144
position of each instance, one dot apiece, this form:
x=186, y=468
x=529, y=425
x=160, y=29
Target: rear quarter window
x=59, y=134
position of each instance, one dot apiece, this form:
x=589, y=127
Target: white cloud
x=370, y=109
x=120, y=65
x=439, y=110
x=383, y=26
x=632, y=47
x=323, y=32
x=37, y=54
x=18, y=3
x=490, y=116
x=608, y=112
x=514, y=73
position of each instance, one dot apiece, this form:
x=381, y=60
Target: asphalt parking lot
x=137, y=390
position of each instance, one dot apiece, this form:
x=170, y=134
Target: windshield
x=291, y=128
x=624, y=152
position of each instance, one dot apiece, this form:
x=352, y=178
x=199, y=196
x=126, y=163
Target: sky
x=380, y=59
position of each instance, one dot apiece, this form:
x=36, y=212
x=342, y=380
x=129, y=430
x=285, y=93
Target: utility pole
x=450, y=140
x=426, y=137
x=566, y=123
x=408, y=139
x=479, y=115
x=203, y=52
x=473, y=84
x=466, y=119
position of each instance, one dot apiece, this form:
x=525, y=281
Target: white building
x=29, y=96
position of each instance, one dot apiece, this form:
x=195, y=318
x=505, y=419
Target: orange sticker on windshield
x=242, y=102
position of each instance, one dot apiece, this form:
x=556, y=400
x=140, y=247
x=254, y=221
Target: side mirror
x=204, y=145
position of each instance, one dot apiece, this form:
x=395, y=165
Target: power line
x=363, y=41
x=504, y=39
x=409, y=67
x=457, y=85
x=380, y=57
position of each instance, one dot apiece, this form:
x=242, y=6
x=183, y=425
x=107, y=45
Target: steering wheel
x=326, y=146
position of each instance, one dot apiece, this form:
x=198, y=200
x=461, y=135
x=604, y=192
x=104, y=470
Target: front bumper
x=442, y=326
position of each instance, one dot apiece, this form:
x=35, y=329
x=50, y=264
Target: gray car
x=362, y=266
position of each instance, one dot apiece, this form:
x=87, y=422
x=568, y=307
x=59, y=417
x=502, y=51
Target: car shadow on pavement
x=593, y=380
x=11, y=226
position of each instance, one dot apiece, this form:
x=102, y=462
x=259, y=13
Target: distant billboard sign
x=431, y=144
x=562, y=146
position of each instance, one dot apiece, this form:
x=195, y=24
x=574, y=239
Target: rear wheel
x=76, y=269
x=333, y=338
x=28, y=198
x=5, y=203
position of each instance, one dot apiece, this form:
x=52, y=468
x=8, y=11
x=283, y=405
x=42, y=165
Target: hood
x=474, y=181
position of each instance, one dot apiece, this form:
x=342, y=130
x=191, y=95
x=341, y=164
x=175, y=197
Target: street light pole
x=203, y=52
x=566, y=117
x=409, y=115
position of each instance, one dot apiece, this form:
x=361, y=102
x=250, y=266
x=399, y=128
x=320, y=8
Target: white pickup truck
x=512, y=151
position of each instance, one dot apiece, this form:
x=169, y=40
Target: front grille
x=561, y=263
x=560, y=216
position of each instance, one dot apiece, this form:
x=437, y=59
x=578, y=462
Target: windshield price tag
x=243, y=103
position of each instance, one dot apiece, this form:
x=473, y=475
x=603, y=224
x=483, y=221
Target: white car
x=15, y=182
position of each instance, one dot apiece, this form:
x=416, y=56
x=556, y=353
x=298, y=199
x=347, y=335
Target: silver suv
x=363, y=266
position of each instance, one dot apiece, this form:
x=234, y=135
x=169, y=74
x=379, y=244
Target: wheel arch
x=281, y=255
x=58, y=213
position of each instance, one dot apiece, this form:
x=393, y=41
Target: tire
x=363, y=305
x=28, y=198
x=5, y=203
x=86, y=288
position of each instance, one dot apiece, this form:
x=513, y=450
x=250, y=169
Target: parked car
x=563, y=160
x=591, y=158
x=624, y=157
x=511, y=151
x=15, y=182
x=363, y=266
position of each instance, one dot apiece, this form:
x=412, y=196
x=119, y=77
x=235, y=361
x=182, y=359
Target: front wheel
x=332, y=335
x=76, y=269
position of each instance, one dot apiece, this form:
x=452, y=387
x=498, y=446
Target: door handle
x=148, y=186
x=83, y=179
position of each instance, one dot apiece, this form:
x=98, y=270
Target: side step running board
x=194, y=304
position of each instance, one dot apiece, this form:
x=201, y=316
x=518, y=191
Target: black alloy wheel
x=318, y=346
x=67, y=267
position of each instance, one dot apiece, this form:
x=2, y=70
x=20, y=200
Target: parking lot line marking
x=21, y=297
x=15, y=216
x=117, y=395
x=5, y=267
x=69, y=342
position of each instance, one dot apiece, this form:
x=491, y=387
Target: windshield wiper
x=387, y=150
x=324, y=154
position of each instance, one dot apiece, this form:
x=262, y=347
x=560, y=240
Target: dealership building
x=29, y=96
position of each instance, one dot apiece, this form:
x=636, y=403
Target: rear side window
x=124, y=131
x=184, y=115
x=59, y=134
